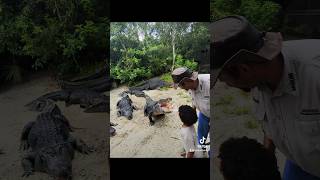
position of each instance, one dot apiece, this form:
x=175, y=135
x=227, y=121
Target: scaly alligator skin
x=51, y=147
x=133, y=92
x=92, y=101
x=154, y=83
x=101, y=84
x=125, y=107
x=152, y=109
x=99, y=81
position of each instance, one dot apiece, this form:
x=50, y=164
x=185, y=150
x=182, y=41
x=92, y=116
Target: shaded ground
x=13, y=117
x=135, y=138
x=233, y=118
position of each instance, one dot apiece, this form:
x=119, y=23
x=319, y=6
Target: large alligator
x=153, y=110
x=91, y=101
x=100, y=73
x=154, y=83
x=99, y=81
x=125, y=107
x=51, y=147
x=137, y=93
x=101, y=84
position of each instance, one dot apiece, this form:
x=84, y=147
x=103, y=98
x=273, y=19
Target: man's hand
x=268, y=144
x=190, y=154
x=183, y=154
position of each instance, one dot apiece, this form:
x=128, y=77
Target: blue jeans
x=203, y=128
x=294, y=172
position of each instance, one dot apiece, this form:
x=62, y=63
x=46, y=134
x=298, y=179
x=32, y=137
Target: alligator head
x=157, y=110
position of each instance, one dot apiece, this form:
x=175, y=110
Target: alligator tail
x=39, y=103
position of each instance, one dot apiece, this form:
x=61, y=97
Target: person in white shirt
x=198, y=86
x=188, y=116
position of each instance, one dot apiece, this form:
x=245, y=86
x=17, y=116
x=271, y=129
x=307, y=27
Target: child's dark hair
x=246, y=159
x=188, y=115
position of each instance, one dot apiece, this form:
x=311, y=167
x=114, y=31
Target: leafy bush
x=263, y=14
x=11, y=73
x=181, y=62
x=60, y=35
x=129, y=75
x=167, y=77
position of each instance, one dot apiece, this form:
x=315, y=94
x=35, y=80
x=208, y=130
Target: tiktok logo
x=202, y=140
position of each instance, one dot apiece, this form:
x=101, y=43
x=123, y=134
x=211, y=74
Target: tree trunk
x=173, y=51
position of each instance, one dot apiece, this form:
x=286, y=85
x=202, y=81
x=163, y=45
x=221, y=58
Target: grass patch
x=225, y=100
x=251, y=124
x=167, y=78
x=164, y=88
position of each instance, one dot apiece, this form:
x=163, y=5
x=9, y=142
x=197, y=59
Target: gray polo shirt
x=290, y=115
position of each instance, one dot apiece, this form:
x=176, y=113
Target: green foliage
x=60, y=35
x=263, y=14
x=167, y=78
x=180, y=62
x=142, y=50
x=129, y=75
x=12, y=73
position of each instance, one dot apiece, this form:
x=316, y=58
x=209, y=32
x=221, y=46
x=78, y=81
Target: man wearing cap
x=198, y=86
x=284, y=79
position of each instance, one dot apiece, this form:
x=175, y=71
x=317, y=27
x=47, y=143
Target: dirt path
x=13, y=117
x=135, y=138
x=232, y=117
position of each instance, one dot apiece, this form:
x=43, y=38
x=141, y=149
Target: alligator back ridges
x=91, y=100
x=48, y=131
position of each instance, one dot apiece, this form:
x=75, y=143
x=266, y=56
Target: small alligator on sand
x=51, y=147
x=153, y=110
x=91, y=101
x=125, y=107
x=154, y=83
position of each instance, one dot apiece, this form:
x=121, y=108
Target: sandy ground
x=135, y=138
x=232, y=117
x=13, y=117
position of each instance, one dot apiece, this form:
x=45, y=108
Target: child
x=188, y=116
x=246, y=159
